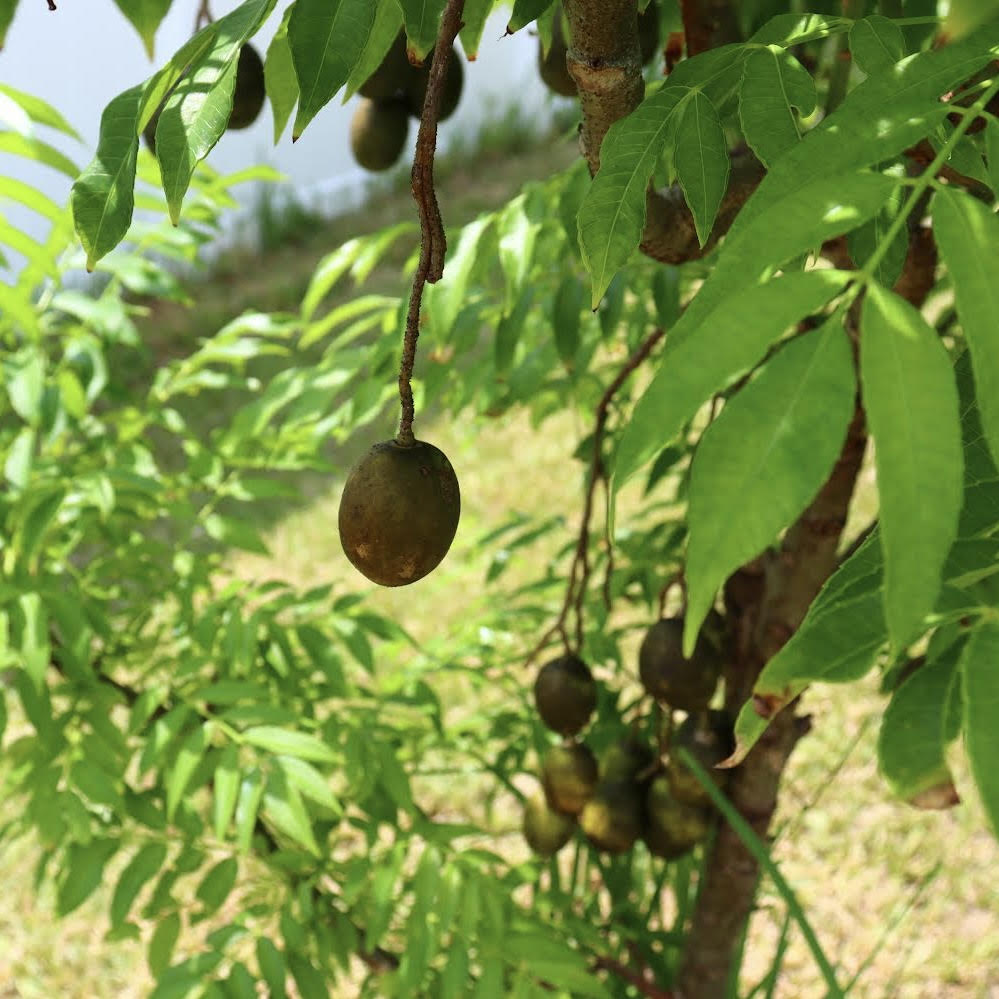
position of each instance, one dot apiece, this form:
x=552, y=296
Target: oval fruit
x=688, y=684
x=399, y=511
x=545, y=830
x=565, y=694
x=569, y=776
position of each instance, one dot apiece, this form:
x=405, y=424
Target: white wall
x=83, y=54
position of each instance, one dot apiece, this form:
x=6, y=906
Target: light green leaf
x=284, y=809
x=145, y=16
x=37, y=110
x=992, y=153
x=876, y=44
x=36, y=649
x=773, y=84
x=197, y=111
x=326, y=38
x=102, y=196
x=251, y=790
x=701, y=160
x=139, y=871
x=422, y=19
x=864, y=241
x=967, y=234
x=188, y=757
x=913, y=737
x=912, y=411
x=31, y=148
x=270, y=961
x=311, y=984
x=235, y=533
x=225, y=789
x=279, y=77
x=763, y=460
x=286, y=742
x=707, y=349
x=796, y=29
x=307, y=779
x=445, y=299
x=474, y=17
x=980, y=682
x=965, y=16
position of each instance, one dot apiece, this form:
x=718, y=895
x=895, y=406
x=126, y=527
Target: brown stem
x=433, y=244
x=639, y=982
x=202, y=16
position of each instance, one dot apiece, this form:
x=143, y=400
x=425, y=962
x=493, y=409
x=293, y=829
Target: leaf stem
x=968, y=115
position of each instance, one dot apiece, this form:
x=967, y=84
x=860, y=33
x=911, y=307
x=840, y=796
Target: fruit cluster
x=632, y=792
x=393, y=94
x=552, y=66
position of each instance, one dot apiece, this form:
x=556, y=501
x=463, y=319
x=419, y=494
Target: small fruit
x=552, y=68
x=569, y=775
x=682, y=683
x=708, y=737
x=393, y=74
x=672, y=827
x=612, y=819
x=378, y=133
x=416, y=88
x=399, y=511
x=565, y=694
x=545, y=830
x=249, y=91
x=625, y=759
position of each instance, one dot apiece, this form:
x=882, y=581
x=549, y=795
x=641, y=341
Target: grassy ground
x=859, y=862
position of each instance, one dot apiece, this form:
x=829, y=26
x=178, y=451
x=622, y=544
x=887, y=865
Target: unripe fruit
x=552, y=68
x=612, y=819
x=625, y=759
x=709, y=738
x=399, y=512
x=672, y=827
x=416, y=88
x=565, y=694
x=378, y=133
x=249, y=91
x=545, y=830
x=393, y=74
x=682, y=683
x=569, y=776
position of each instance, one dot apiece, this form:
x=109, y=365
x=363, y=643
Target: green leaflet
x=876, y=44
x=967, y=233
x=326, y=38
x=279, y=77
x=980, y=682
x=384, y=29
x=474, y=16
x=707, y=348
x=774, y=83
x=7, y=9
x=701, y=161
x=422, y=19
x=526, y=11
x=916, y=729
x=836, y=643
x=912, y=409
x=145, y=16
x=197, y=111
x=102, y=196
x=765, y=457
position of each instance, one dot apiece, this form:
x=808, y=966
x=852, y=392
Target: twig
x=202, y=16
x=636, y=980
x=433, y=244
x=52, y=5
x=579, y=572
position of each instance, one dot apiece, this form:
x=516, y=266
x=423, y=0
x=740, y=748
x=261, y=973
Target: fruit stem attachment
x=433, y=244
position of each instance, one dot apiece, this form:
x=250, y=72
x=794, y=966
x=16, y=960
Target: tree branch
x=708, y=24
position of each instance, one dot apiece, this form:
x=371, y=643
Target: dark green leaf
x=764, y=458
x=188, y=757
x=876, y=44
x=217, y=884
x=701, y=160
x=139, y=871
x=145, y=16
x=704, y=352
x=384, y=31
x=270, y=961
x=7, y=9
x=526, y=11
x=311, y=984
x=967, y=233
x=422, y=19
x=279, y=77
x=82, y=872
x=912, y=410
